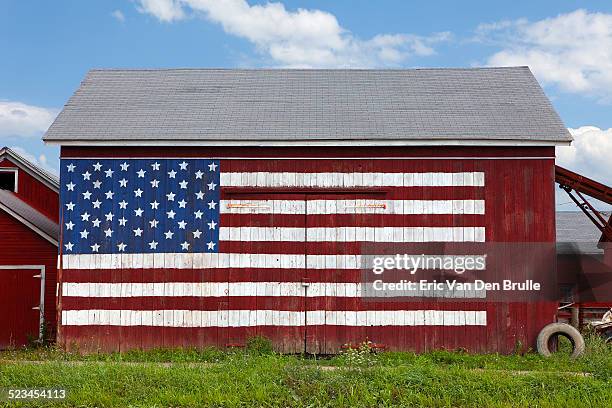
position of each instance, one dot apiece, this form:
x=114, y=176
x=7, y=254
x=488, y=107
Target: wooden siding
x=518, y=207
x=35, y=193
x=22, y=246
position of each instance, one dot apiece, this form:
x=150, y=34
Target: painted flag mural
x=208, y=253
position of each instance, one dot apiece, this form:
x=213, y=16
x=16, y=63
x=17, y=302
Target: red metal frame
x=575, y=186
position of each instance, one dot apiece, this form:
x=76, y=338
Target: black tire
x=550, y=332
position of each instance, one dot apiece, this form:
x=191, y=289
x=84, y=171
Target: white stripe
x=251, y=318
x=289, y=179
x=353, y=234
x=223, y=289
x=361, y=206
x=233, y=260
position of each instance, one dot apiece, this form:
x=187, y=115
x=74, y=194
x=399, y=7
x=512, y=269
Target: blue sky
x=48, y=46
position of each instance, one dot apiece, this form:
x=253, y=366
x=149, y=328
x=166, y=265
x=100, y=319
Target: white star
x=154, y=205
x=138, y=193
x=183, y=184
x=170, y=196
x=108, y=232
x=169, y=234
x=138, y=212
x=185, y=246
x=199, y=174
x=69, y=245
x=155, y=166
x=152, y=245
x=122, y=222
x=95, y=247
x=123, y=183
x=96, y=222
x=109, y=173
x=212, y=225
x=69, y=225
x=87, y=195
x=84, y=234
x=71, y=168
x=96, y=204
x=86, y=175
x=97, y=184
x=212, y=205
x=212, y=166
x=70, y=206
x=182, y=203
x=141, y=173
x=171, y=214
x=198, y=214
x=153, y=223
x=70, y=186
x=85, y=217
x=172, y=174
x=200, y=195
x=154, y=183
x=97, y=166
x=197, y=233
x=211, y=245
x=182, y=224
x=109, y=216
x=124, y=166
x=183, y=165
x=109, y=195
x=211, y=185
x=121, y=246
x=137, y=232
x=123, y=205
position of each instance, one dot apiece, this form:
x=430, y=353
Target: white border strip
x=349, y=180
x=252, y=318
x=353, y=234
x=361, y=206
x=237, y=260
x=266, y=289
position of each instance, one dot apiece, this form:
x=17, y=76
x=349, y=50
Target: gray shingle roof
x=217, y=105
x=26, y=214
x=576, y=233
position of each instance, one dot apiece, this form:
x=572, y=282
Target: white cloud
x=20, y=120
x=573, y=50
x=164, y=10
x=118, y=15
x=301, y=38
x=589, y=155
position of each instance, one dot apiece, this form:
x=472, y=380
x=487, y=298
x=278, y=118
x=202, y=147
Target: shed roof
x=42, y=175
x=29, y=216
x=480, y=106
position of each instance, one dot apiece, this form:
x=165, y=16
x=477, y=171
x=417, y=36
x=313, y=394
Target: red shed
x=29, y=231
x=205, y=206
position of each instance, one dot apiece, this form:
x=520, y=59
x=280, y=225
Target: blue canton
x=114, y=206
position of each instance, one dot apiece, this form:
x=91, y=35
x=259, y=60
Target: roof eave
x=311, y=142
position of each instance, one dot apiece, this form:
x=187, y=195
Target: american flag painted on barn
x=193, y=244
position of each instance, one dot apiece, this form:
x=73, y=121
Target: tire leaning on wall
x=551, y=331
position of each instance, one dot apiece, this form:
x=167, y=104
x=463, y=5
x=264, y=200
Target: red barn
x=205, y=206
x=29, y=230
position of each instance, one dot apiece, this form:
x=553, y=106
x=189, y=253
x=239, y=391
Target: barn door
x=267, y=232
x=20, y=302
x=331, y=249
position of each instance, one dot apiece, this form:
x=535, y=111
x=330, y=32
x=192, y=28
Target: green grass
x=255, y=377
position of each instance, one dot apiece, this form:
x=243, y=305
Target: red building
x=203, y=207
x=29, y=231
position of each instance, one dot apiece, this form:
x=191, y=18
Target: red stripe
x=353, y=220
x=288, y=339
x=243, y=275
x=351, y=166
